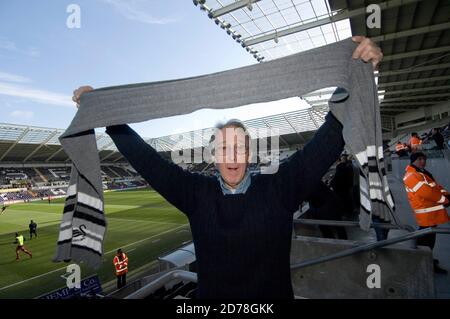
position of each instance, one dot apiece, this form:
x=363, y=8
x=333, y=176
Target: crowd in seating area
x=41, y=182
x=113, y=185
x=15, y=196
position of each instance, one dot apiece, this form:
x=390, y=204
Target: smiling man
x=241, y=223
x=231, y=145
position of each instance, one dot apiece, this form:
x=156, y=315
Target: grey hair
x=230, y=123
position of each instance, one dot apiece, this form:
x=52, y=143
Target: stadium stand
x=43, y=181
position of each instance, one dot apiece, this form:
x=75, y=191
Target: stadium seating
x=16, y=196
x=53, y=181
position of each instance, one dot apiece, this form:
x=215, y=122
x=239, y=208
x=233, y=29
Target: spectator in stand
x=401, y=149
x=415, y=142
x=342, y=183
x=438, y=138
x=325, y=205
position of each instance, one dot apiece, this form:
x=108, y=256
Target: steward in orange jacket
x=427, y=198
x=401, y=149
x=415, y=142
x=120, y=262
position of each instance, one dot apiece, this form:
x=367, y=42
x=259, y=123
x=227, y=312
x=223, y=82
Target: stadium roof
x=27, y=144
x=414, y=37
x=415, y=72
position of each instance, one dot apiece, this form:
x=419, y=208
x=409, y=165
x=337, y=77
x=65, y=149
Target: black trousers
x=121, y=281
x=33, y=232
x=427, y=240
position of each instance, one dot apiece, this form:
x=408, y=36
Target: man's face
x=421, y=162
x=231, y=153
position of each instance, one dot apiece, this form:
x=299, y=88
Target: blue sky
x=120, y=41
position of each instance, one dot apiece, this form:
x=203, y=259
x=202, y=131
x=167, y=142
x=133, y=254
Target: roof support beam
x=313, y=119
x=281, y=137
x=413, y=54
x=431, y=88
x=15, y=143
x=106, y=146
x=295, y=130
x=443, y=87
x=418, y=69
x=41, y=145
x=408, y=98
x=409, y=103
x=54, y=154
x=436, y=78
x=117, y=159
x=165, y=145
x=107, y=156
x=396, y=109
x=411, y=32
x=232, y=7
x=341, y=15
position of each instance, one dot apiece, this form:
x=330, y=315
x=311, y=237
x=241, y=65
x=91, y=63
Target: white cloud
x=135, y=10
x=22, y=114
x=8, y=45
x=9, y=77
x=35, y=95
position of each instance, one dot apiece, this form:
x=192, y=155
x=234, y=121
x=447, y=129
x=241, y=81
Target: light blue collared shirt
x=242, y=187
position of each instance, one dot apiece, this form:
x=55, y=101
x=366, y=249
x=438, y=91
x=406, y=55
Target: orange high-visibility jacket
x=414, y=142
x=426, y=198
x=121, y=265
x=399, y=147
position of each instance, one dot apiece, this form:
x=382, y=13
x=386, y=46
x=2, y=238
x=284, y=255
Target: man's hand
x=367, y=50
x=78, y=92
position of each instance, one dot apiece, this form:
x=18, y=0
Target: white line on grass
x=108, y=252
x=140, y=241
x=23, y=281
x=143, y=221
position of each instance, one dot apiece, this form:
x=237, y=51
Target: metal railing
x=370, y=246
x=161, y=281
x=320, y=222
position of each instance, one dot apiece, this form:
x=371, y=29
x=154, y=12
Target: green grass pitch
x=139, y=221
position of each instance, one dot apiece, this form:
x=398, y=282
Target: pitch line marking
x=143, y=221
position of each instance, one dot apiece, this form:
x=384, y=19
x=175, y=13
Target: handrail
x=308, y=221
x=370, y=246
x=161, y=281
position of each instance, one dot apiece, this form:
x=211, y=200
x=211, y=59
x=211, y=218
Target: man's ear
x=249, y=156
